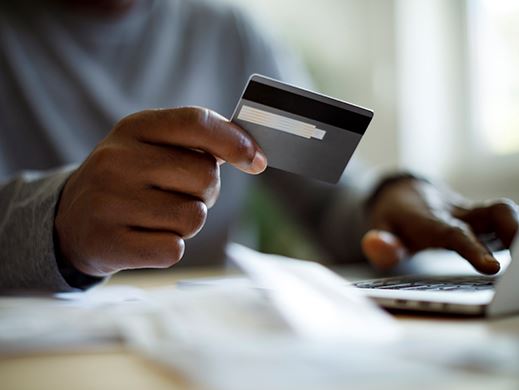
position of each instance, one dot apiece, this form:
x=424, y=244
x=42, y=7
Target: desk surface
x=113, y=367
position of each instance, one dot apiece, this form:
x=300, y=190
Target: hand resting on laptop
x=410, y=214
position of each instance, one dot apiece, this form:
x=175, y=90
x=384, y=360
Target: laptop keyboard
x=469, y=283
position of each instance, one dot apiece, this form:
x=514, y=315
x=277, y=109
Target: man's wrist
x=74, y=277
x=388, y=182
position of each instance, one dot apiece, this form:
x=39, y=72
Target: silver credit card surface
x=300, y=131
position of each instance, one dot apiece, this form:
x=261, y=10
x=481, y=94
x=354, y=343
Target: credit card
x=300, y=131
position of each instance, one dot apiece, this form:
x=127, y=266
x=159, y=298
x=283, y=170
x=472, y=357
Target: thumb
x=383, y=249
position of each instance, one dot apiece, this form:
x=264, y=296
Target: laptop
x=476, y=295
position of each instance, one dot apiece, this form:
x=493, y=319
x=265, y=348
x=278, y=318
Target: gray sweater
x=67, y=77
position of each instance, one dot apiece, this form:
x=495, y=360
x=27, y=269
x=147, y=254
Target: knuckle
x=243, y=149
x=196, y=115
x=505, y=206
x=102, y=157
x=209, y=177
x=173, y=252
x=196, y=217
x=104, y=165
x=212, y=196
x=132, y=123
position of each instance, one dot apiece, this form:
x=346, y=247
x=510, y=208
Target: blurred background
x=441, y=75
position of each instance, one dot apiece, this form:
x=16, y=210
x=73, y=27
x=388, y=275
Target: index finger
x=201, y=129
x=460, y=238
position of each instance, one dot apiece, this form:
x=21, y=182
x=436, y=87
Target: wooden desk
x=113, y=367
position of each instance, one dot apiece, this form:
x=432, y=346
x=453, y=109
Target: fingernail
x=492, y=262
x=259, y=163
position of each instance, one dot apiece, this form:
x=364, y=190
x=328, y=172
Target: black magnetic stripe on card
x=307, y=107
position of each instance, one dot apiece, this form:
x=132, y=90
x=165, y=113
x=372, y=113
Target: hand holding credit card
x=300, y=131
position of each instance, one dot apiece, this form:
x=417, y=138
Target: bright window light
x=494, y=34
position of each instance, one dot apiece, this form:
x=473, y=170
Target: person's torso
x=66, y=79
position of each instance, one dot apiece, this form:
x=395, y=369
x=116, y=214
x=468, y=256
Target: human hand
x=147, y=187
x=410, y=215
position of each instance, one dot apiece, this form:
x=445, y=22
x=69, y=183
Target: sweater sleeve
x=27, y=253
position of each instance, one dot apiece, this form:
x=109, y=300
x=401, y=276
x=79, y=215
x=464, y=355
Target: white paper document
x=317, y=303
x=294, y=325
